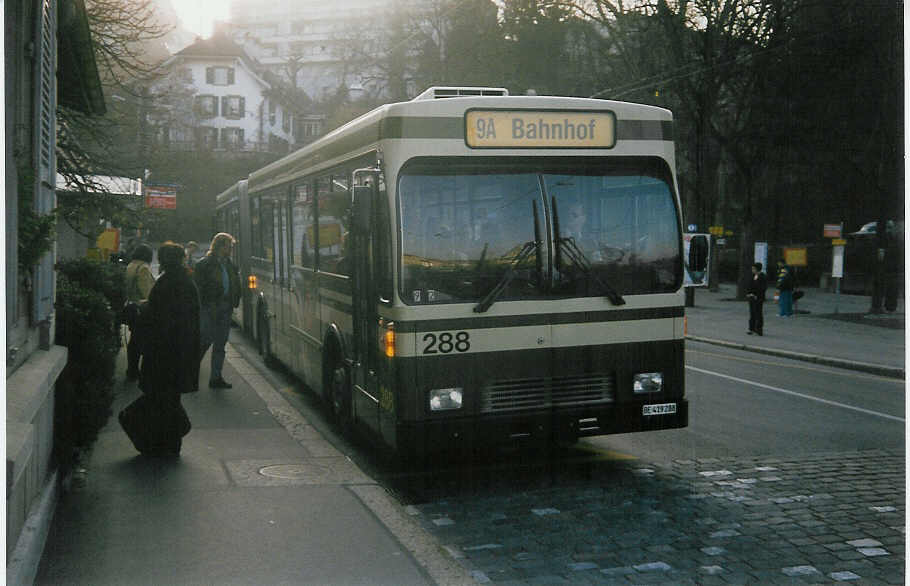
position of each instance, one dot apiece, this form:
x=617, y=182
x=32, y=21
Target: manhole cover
x=293, y=471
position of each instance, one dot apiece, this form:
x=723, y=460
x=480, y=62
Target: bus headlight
x=648, y=382
x=445, y=399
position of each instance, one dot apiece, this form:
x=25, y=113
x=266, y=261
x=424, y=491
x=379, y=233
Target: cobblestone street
x=821, y=518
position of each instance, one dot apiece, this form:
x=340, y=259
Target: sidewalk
x=827, y=329
x=257, y=496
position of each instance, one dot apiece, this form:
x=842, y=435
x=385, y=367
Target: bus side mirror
x=363, y=207
x=698, y=258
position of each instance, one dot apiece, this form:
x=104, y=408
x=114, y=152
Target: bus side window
x=256, y=231
x=304, y=217
x=267, y=225
x=334, y=219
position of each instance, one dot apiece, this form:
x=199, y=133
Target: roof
x=78, y=82
x=218, y=45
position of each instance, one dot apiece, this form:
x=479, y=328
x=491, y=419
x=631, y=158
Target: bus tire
x=338, y=379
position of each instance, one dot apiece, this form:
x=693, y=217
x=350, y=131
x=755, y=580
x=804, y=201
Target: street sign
x=161, y=196
x=796, y=257
x=837, y=263
x=838, y=242
x=761, y=254
x=833, y=230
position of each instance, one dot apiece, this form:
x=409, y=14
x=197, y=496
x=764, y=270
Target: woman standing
x=170, y=363
x=139, y=282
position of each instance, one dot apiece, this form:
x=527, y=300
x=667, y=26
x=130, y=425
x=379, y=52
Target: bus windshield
x=465, y=223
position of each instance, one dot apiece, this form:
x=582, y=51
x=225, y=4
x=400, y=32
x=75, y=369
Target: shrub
x=89, y=296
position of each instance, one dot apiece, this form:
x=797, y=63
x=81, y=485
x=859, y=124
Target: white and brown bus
x=470, y=267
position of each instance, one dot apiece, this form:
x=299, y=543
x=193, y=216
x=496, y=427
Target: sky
x=198, y=16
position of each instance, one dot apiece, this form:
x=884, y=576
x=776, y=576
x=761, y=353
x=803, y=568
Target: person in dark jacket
x=756, y=296
x=785, y=286
x=219, y=293
x=170, y=346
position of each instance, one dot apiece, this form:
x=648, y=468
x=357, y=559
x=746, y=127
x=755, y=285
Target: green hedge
x=89, y=296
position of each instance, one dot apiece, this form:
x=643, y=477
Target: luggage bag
x=155, y=425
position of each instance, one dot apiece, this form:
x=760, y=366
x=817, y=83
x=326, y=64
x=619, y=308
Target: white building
x=211, y=96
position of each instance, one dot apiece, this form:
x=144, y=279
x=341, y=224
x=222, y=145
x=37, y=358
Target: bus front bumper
x=463, y=435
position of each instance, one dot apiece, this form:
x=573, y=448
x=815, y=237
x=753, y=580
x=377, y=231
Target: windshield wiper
x=578, y=258
x=531, y=246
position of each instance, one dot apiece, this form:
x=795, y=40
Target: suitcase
x=155, y=425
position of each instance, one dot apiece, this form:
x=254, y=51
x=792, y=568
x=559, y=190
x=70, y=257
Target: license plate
x=661, y=409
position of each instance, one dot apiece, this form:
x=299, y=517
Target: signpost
x=835, y=232
x=161, y=196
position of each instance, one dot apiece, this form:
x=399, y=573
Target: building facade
x=309, y=43
x=211, y=96
x=48, y=61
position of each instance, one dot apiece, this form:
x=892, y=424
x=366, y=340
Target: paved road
x=748, y=404
x=789, y=473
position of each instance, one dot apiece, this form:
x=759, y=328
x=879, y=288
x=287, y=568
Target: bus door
x=303, y=322
x=365, y=319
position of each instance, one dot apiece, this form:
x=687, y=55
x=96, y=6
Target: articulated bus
x=471, y=268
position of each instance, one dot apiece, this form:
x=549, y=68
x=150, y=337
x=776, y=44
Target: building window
x=219, y=75
x=206, y=138
x=233, y=107
x=206, y=106
x=232, y=139
x=185, y=74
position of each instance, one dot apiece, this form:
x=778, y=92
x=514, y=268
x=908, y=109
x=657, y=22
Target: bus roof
x=444, y=119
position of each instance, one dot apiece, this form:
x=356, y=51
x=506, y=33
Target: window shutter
x=225, y=106
x=46, y=110
x=209, y=75
x=242, y=112
x=230, y=76
x=45, y=196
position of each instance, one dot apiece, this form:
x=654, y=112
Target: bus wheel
x=340, y=392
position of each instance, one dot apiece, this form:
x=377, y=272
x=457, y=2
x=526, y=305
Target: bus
x=471, y=268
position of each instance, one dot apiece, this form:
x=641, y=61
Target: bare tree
x=124, y=34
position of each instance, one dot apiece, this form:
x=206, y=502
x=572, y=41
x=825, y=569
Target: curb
x=879, y=369
x=22, y=567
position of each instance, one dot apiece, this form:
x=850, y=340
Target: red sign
x=163, y=197
x=832, y=231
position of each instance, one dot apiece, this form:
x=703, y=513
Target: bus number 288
x=446, y=342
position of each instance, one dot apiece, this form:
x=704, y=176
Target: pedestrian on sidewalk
x=139, y=283
x=785, y=286
x=157, y=422
x=219, y=293
x=756, y=296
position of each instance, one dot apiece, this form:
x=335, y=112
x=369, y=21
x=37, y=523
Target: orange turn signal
x=251, y=281
x=388, y=343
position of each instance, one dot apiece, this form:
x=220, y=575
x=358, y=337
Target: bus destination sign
x=539, y=129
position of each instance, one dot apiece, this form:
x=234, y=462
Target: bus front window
x=625, y=226
x=465, y=223
x=461, y=232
